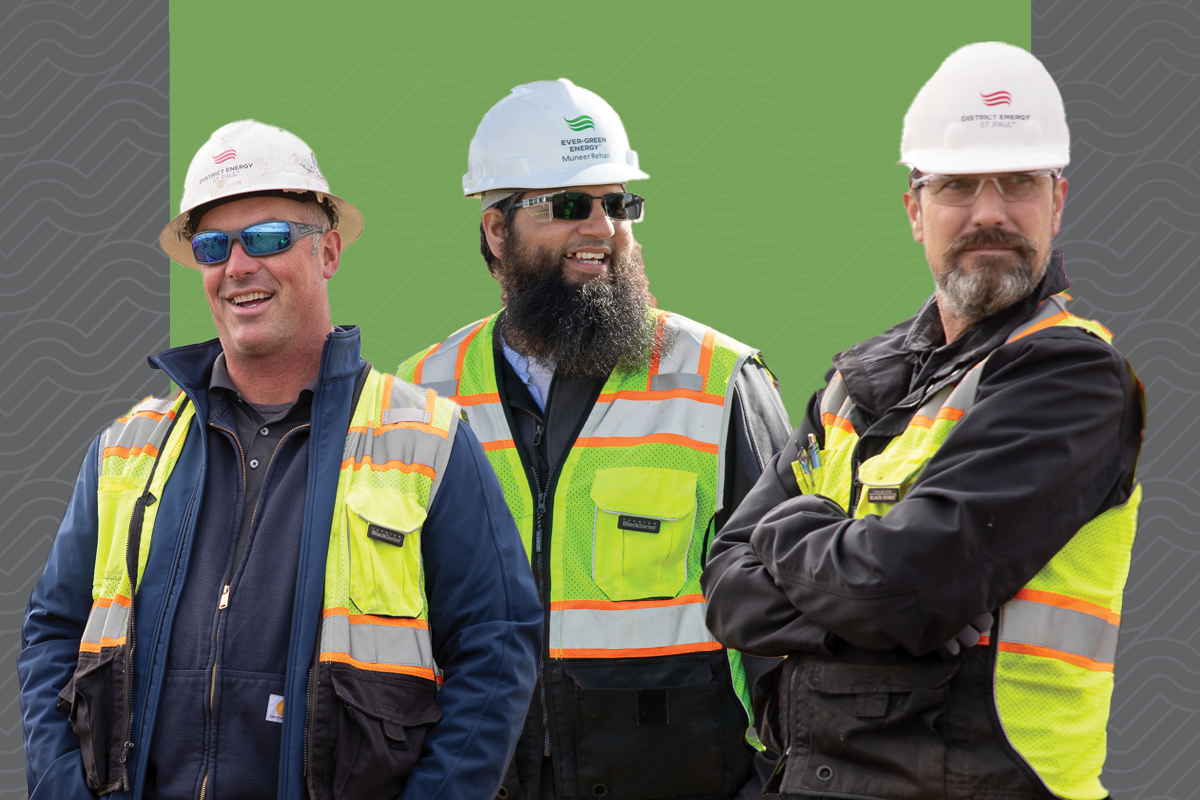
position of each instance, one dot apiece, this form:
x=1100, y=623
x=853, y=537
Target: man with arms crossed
x=259, y=583
x=622, y=436
x=942, y=546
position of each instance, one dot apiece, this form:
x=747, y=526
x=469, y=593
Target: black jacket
x=1051, y=442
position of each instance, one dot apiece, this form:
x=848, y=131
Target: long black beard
x=994, y=284
x=588, y=329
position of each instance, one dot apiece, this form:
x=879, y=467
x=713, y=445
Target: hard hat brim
x=980, y=161
x=175, y=243
x=598, y=175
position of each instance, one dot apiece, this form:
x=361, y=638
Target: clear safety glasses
x=961, y=190
x=577, y=206
x=258, y=240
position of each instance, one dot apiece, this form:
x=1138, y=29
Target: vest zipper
x=541, y=587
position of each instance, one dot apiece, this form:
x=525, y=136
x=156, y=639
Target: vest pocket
x=368, y=731
x=384, y=529
x=887, y=477
x=116, y=496
x=658, y=728
x=92, y=700
x=868, y=729
x=644, y=519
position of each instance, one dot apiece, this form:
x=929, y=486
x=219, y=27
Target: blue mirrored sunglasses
x=258, y=240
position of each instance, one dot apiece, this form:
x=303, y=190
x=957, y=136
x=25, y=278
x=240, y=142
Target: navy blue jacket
x=483, y=608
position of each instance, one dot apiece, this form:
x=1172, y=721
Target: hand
x=968, y=636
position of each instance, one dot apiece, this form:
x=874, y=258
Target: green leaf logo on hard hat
x=581, y=123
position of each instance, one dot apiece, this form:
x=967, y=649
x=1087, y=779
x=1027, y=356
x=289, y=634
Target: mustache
x=992, y=237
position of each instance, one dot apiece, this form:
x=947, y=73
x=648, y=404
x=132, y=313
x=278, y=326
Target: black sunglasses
x=259, y=239
x=577, y=206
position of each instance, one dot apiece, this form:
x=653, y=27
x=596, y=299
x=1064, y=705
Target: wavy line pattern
x=1129, y=74
x=84, y=293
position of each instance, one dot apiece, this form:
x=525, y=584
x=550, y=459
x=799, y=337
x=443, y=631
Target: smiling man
x=623, y=436
x=941, y=547
x=258, y=587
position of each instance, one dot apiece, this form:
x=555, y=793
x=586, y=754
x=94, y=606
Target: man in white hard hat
x=258, y=587
x=942, y=546
x=623, y=436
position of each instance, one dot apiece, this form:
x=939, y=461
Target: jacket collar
x=898, y=365
x=190, y=366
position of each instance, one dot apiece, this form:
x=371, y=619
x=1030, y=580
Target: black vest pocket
x=658, y=728
x=367, y=733
x=93, y=700
x=868, y=730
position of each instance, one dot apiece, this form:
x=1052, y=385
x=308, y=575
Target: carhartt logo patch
x=883, y=495
x=385, y=535
x=275, y=708
x=642, y=524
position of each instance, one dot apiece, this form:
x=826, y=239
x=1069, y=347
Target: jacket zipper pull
x=125, y=748
x=541, y=509
x=224, y=598
x=537, y=436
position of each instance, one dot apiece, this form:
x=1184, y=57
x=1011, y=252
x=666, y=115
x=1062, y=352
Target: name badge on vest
x=641, y=524
x=884, y=494
x=385, y=535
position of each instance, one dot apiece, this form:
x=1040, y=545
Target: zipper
x=791, y=692
x=540, y=574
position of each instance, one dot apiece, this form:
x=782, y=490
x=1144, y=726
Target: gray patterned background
x=1129, y=75
x=83, y=174
x=84, y=131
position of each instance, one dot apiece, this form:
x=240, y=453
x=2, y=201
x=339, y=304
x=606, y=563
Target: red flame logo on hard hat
x=228, y=155
x=996, y=99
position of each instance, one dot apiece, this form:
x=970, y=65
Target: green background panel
x=770, y=132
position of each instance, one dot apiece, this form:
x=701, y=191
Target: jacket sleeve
x=487, y=630
x=50, y=634
x=1051, y=442
x=746, y=609
x=758, y=429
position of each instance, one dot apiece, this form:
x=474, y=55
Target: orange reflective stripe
x=662, y=394
x=462, y=350
x=654, y=438
x=88, y=647
x=835, y=421
x=1046, y=323
x=1072, y=603
x=400, y=465
x=421, y=363
x=131, y=452
x=706, y=353
x=1047, y=652
x=499, y=444
x=476, y=399
x=644, y=652
x=921, y=421
x=953, y=414
x=106, y=602
x=368, y=619
x=344, y=658
x=620, y=605
x=389, y=380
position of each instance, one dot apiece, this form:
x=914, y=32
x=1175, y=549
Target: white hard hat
x=248, y=157
x=549, y=134
x=990, y=107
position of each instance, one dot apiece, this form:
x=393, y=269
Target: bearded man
x=941, y=547
x=623, y=437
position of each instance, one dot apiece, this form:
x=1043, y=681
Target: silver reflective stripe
x=834, y=396
x=488, y=423
x=366, y=643
x=443, y=388
x=137, y=432
x=676, y=380
x=636, y=418
x=393, y=415
x=439, y=365
x=626, y=626
x=684, y=355
x=106, y=623
x=1062, y=629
